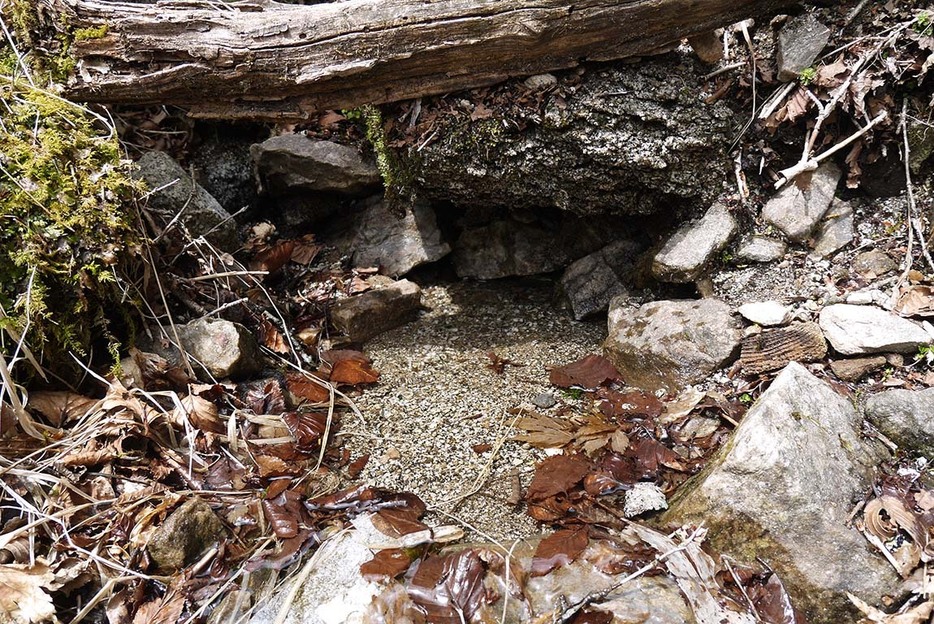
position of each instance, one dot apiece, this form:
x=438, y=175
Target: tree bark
x=260, y=59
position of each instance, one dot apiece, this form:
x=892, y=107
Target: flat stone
x=589, y=284
x=800, y=41
x=173, y=192
x=290, y=163
x=366, y=315
x=773, y=349
x=397, y=244
x=185, y=535
x=670, y=344
x=783, y=489
x=544, y=400
x=904, y=416
x=873, y=263
x=868, y=296
x=761, y=249
x=688, y=252
x=836, y=229
x=857, y=329
x=854, y=369
x=765, y=313
x=223, y=348
x=797, y=212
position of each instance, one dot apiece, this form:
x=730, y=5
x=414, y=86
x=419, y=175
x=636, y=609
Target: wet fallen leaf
x=918, y=614
x=386, y=564
x=355, y=467
x=557, y=475
x=559, y=549
x=272, y=338
x=303, y=387
x=449, y=589
x=306, y=427
x=589, y=372
x=632, y=404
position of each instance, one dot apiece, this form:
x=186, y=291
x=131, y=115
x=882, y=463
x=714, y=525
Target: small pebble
x=544, y=400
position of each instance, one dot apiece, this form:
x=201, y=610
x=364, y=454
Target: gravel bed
x=438, y=398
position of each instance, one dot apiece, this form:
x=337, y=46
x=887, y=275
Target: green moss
x=86, y=34
x=67, y=236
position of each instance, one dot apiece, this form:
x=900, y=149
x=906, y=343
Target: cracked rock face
x=782, y=490
x=630, y=139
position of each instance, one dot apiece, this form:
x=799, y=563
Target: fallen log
x=258, y=59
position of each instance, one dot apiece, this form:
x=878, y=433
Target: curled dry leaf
x=59, y=407
x=349, y=367
x=589, y=372
x=201, y=413
x=24, y=599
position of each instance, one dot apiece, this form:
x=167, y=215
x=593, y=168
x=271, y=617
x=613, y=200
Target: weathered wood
x=773, y=349
x=262, y=59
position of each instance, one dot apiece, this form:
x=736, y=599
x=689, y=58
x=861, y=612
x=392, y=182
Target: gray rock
x=544, y=400
x=630, y=139
x=860, y=329
x=708, y=46
x=873, y=263
x=761, y=249
x=589, y=284
x=222, y=348
x=173, y=192
x=668, y=344
x=511, y=247
x=783, y=490
x=185, y=535
x=904, y=416
x=688, y=252
x=397, y=244
x=366, y=315
x=223, y=166
x=797, y=212
x=836, y=229
x=855, y=369
x=799, y=43
x=765, y=313
x=294, y=162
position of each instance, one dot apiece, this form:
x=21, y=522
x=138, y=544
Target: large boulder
x=620, y=138
x=904, y=416
x=173, y=193
x=782, y=490
x=667, y=344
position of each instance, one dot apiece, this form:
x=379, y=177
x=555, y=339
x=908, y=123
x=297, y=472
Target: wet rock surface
x=669, y=344
x=783, y=490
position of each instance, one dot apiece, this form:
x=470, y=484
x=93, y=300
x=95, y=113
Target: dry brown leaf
x=588, y=372
x=165, y=610
x=272, y=338
x=350, y=367
x=60, y=407
x=23, y=599
x=274, y=258
x=544, y=431
x=200, y=412
x=916, y=301
x=303, y=387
